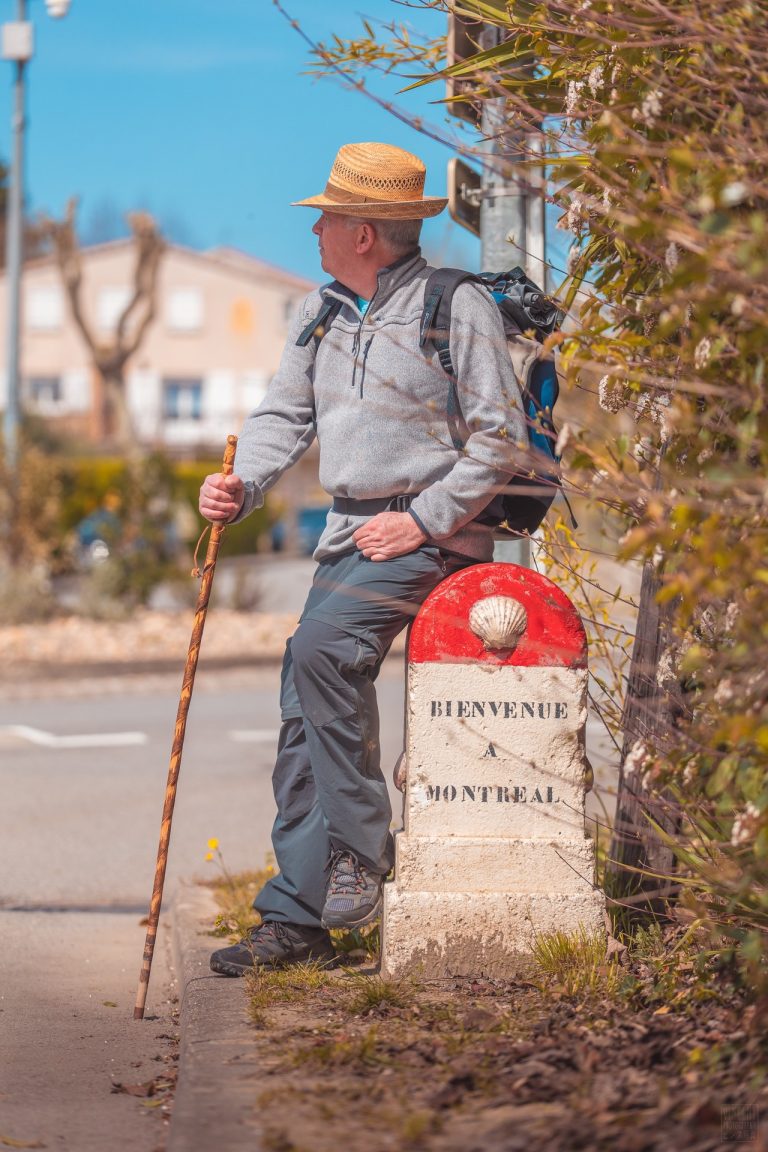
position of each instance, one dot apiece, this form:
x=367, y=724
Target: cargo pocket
x=367, y=655
x=292, y=781
x=367, y=661
x=323, y=672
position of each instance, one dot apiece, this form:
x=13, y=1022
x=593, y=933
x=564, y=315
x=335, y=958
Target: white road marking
x=86, y=740
x=254, y=735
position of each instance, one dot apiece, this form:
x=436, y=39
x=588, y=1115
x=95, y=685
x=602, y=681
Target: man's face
x=336, y=241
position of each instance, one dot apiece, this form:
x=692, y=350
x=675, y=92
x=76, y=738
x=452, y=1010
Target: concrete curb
x=218, y=1083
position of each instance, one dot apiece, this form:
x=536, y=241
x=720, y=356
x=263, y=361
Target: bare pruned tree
x=111, y=355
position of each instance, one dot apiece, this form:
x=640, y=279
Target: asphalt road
x=83, y=781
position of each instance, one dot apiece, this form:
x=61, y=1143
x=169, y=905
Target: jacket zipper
x=356, y=346
x=355, y=352
x=368, y=343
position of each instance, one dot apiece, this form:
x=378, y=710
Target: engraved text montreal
x=492, y=793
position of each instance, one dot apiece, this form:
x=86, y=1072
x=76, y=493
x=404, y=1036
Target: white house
x=205, y=362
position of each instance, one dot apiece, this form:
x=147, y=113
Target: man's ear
x=366, y=238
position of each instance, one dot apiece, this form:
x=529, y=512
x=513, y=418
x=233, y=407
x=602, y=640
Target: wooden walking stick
x=178, y=743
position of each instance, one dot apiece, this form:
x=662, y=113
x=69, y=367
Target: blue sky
x=199, y=111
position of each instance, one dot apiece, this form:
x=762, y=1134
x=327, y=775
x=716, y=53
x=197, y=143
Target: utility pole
x=17, y=46
x=503, y=221
x=503, y=204
x=535, y=219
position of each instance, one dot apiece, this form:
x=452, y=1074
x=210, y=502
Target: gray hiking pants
x=328, y=784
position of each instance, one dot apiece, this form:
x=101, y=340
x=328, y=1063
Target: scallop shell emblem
x=499, y=621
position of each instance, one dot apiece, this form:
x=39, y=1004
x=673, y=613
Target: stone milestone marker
x=494, y=848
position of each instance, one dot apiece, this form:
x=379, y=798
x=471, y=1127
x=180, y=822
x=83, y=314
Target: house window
x=184, y=310
x=182, y=398
x=110, y=306
x=44, y=309
x=44, y=391
x=290, y=308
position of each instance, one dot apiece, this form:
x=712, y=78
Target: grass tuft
x=269, y=986
x=578, y=962
x=361, y=944
x=372, y=992
x=277, y=1140
x=235, y=894
x=415, y=1127
x=346, y=1050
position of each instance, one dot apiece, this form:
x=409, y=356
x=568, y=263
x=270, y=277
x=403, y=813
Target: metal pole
x=502, y=217
x=536, y=243
x=502, y=223
x=14, y=241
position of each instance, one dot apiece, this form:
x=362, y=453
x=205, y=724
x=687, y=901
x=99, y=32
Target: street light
x=18, y=46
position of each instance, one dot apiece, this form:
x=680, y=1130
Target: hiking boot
x=354, y=893
x=273, y=945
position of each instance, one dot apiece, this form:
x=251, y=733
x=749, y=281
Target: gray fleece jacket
x=377, y=404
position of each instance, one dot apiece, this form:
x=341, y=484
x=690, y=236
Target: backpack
x=524, y=503
x=524, y=308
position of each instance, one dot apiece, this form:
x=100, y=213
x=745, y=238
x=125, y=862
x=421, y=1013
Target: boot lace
x=269, y=928
x=347, y=877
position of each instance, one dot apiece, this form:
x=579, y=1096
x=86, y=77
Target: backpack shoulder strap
x=318, y=326
x=436, y=316
x=436, y=327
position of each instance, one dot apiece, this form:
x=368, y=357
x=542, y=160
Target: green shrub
x=89, y=481
x=155, y=525
x=652, y=124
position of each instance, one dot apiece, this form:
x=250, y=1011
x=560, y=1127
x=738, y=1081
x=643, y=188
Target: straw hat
x=377, y=182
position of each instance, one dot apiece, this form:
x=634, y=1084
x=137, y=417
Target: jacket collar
x=388, y=280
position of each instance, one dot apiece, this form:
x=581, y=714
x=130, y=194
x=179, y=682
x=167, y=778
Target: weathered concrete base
x=472, y=906
x=433, y=935
x=493, y=864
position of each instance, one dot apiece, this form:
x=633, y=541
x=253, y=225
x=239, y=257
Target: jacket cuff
x=254, y=498
x=419, y=521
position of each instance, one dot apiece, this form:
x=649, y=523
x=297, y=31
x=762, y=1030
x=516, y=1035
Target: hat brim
x=377, y=209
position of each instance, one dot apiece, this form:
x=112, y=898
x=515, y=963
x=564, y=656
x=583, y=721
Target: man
x=403, y=517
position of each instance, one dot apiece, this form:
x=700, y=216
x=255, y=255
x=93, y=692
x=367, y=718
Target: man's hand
x=221, y=497
x=388, y=535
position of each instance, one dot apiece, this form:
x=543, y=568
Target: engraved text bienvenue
x=502, y=709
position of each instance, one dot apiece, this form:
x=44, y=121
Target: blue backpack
x=524, y=309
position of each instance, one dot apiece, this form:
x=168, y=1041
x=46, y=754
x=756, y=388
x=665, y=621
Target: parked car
x=310, y=523
x=97, y=536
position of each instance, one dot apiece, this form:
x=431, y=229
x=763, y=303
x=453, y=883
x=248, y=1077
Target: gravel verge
x=150, y=641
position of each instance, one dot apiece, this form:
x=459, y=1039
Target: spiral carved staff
x=178, y=743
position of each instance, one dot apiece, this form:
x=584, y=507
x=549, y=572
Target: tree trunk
x=117, y=422
x=640, y=871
